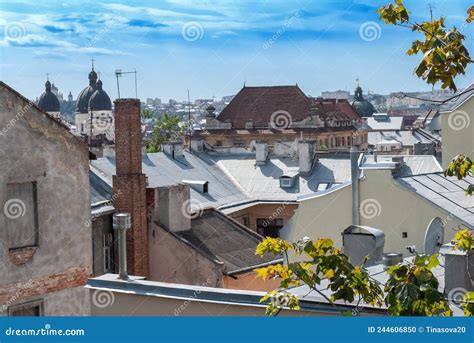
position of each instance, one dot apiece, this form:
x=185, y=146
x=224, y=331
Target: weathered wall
x=174, y=261
x=250, y=281
x=33, y=147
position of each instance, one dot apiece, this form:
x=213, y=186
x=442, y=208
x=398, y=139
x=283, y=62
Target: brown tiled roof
x=339, y=109
x=257, y=104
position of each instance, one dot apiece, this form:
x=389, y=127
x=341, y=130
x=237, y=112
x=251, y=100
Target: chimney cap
x=125, y=100
x=122, y=221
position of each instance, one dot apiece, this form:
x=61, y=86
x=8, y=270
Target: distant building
x=363, y=107
x=339, y=94
x=94, y=118
x=48, y=101
x=282, y=113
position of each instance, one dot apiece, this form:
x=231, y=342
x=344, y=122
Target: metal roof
x=262, y=181
x=406, y=137
x=458, y=101
x=447, y=193
x=391, y=123
x=163, y=170
x=377, y=273
x=233, y=179
x=413, y=164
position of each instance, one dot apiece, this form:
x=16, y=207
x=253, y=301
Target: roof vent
x=198, y=186
x=362, y=241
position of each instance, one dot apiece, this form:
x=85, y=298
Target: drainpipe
x=122, y=223
x=355, y=185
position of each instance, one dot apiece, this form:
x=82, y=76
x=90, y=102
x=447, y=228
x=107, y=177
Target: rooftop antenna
x=357, y=80
x=119, y=73
x=47, y=76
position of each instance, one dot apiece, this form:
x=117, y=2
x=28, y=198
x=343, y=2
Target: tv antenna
x=119, y=73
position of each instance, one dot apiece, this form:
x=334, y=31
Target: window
x=218, y=143
x=107, y=243
x=246, y=220
x=21, y=215
x=285, y=182
x=269, y=228
x=30, y=309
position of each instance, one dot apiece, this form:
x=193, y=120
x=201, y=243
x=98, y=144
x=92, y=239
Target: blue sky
x=211, y=47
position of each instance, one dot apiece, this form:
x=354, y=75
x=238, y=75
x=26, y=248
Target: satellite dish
x=434, y=236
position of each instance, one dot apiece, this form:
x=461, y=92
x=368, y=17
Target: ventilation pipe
x=122, y=223
x=355, y=185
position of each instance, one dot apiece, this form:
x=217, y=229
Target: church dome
x=362, y=106
x=99, y=100
x=48, y=101
x=82, y=102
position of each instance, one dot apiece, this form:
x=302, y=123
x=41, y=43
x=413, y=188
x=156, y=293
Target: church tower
x=48, y=101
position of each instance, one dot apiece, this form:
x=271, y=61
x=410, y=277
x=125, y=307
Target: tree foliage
x=461, y=166
x=167, y=128
x=443, y=50
x=411, y=289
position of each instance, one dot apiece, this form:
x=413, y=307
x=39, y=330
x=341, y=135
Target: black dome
x=48, y=101
x=362, y=106
x=82, y=102
x=99, y=100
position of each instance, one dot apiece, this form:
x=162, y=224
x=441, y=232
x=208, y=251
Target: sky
x=212, y=47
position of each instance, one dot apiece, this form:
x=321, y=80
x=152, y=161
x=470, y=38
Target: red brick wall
x=129, y=183
x=74, y=277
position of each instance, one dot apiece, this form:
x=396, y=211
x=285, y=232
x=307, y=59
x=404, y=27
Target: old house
x=45, y=242
x=282, y=113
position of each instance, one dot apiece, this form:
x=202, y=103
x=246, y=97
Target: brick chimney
x=129, y=183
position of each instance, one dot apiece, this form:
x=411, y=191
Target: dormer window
x=287, y=181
